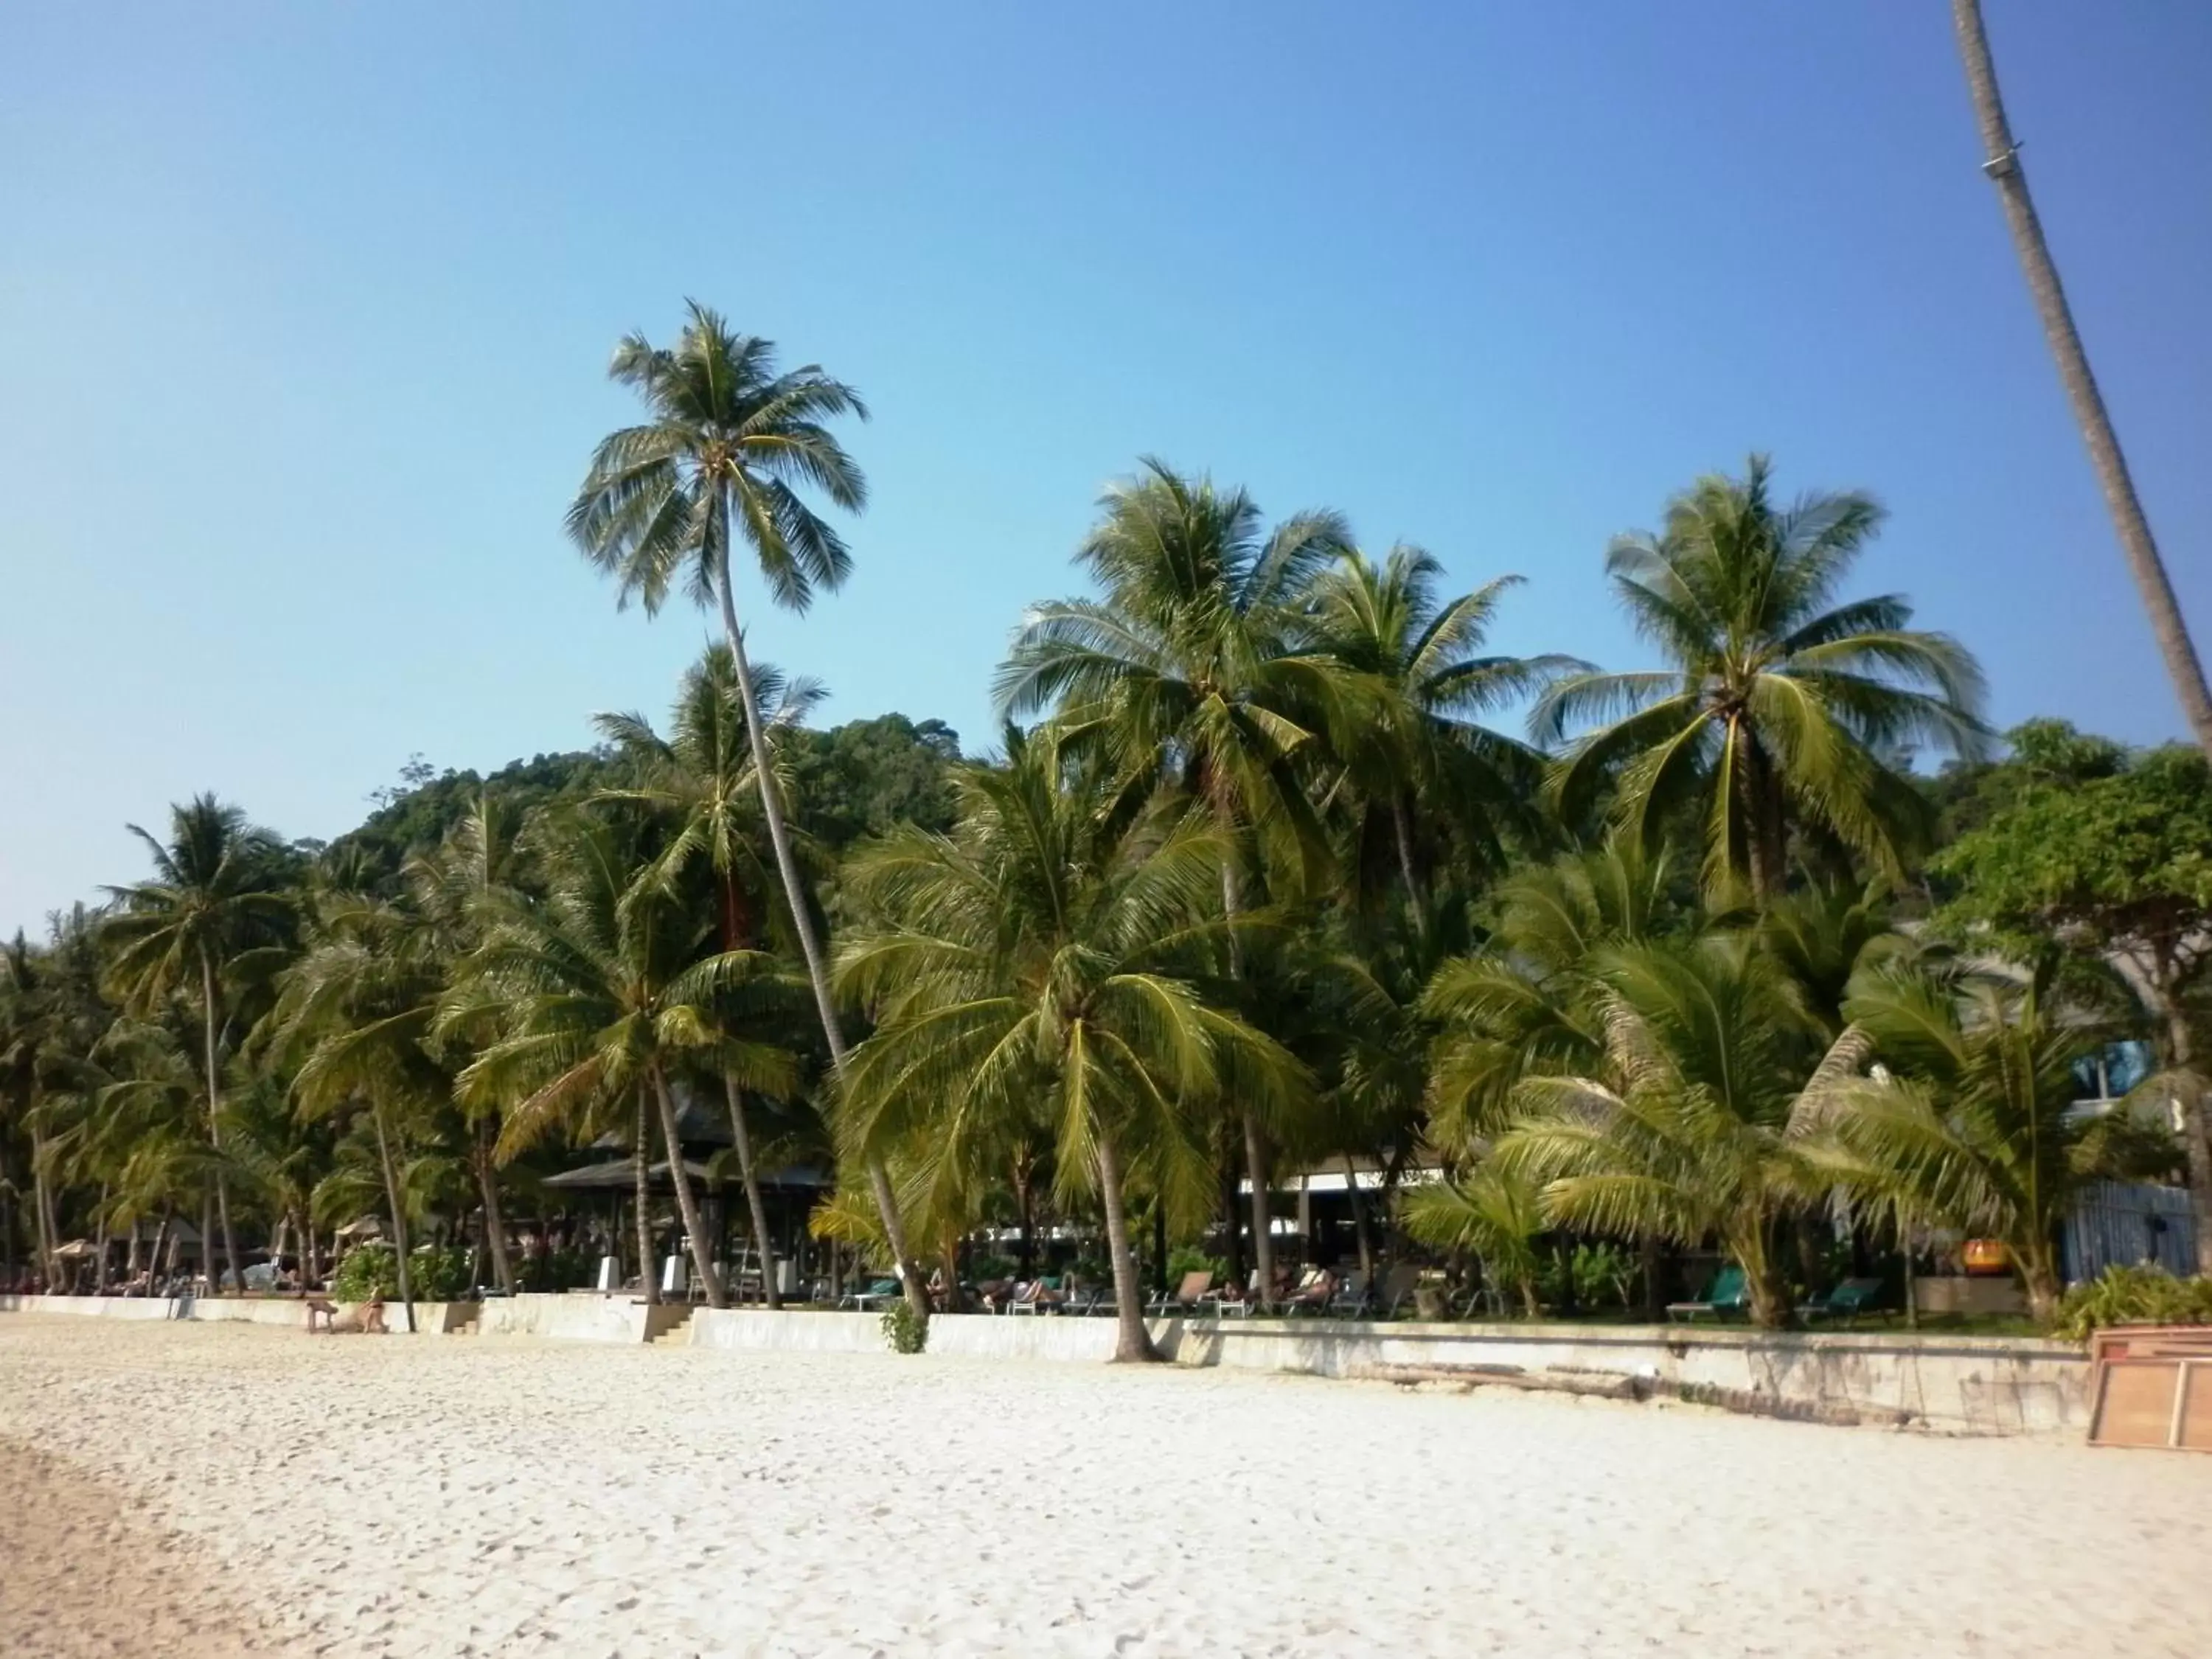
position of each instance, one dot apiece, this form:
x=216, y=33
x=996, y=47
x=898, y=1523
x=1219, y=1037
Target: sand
x=469, y=1496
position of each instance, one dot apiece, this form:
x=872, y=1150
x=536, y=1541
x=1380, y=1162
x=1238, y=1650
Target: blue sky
x=304, y=313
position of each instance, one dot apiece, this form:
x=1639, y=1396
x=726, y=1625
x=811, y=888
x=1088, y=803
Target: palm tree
x=1700, y=1126
x=1414, y=686
x=2003, y=166
x=703, y=775
x=1030, y=959
x=1970, y=1123
x=728, y=442
x=609, y=991
x=216, y=896
x=1779, y=707
x=1195, y=669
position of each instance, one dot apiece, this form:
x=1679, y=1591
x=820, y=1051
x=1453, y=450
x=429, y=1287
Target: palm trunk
x=687, y=1203
x=2003, y=166
x=214, y=1128
x=795, y=892
x=2195, y=1124
x=495, y=1226
x=1359, y=1223
x=1255, y=1140
x=392, y=1198
x=1401, y=823
x=1132, y=1343
x=1762, y=807
x=648, y=1280
x=99, y=1244
x=154, y=1267
x=42, y=1214
x=207, y=1235
x=756, y=1201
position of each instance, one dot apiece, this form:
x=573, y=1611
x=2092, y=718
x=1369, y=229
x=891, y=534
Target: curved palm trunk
x=1401, y=821
x=756, y=1201
x=2003, y=168
x=495, y=1227
x=648, y=1280
x=215, y=1129
x=779, y=834
x=687, y=1202
x=1255, y=1137
x=1131, y=1341
x=398, y=1216
x=42, y=1216
x=1360, y=1231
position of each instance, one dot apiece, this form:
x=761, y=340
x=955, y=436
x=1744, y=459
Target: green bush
x=907, y=1331
x=2132, y=1296
x=1189, y=1259
x=371, y=1270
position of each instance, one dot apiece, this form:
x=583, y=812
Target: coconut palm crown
x=1780, y=708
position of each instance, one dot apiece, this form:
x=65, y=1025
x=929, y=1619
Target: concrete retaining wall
x=431, y=1318
x=578, y=1318
x=1980, y=1385
x=1975, y=1385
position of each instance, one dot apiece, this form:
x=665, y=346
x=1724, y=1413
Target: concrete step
x=673, y=1322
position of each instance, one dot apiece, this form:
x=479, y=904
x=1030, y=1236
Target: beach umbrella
x=367, y=1227
x=76, y=1250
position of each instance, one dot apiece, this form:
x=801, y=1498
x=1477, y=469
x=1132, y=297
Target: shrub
x=907, y=1331
x=1189, y=1259
x=2132, y=1296
x=371, y=1270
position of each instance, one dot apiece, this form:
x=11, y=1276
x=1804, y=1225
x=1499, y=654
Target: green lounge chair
x=1729, y=1293
x=1847, y=1302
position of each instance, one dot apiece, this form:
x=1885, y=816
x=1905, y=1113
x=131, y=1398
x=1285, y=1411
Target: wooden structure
x=2151, y=1386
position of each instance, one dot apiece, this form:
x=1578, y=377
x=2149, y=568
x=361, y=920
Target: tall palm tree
x=1972, y=1123
x=609, y=988
x=703, y=775
x=1779, y=705
x=1196, y=670
x=726, y=446
x=1699, y=1127
x=2003, y=166
x=1032, y=957
x=217, y=899
x=1414, y=686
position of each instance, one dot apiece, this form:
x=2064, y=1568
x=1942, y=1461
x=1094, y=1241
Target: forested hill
x=855, y=779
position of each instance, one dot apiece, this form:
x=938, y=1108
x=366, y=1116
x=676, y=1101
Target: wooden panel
x=2135, y=1403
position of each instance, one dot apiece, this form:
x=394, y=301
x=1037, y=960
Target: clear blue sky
x=304, y=311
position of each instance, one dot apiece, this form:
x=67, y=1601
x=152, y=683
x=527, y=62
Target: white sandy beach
x=472, y=1497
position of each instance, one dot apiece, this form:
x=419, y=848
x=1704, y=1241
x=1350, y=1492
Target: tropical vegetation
x=1258, y=896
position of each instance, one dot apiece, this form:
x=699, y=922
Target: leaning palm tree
x=1414, y=686
x=1030, y=960
x=2003, y=166
x=216, y=900
x=703, y=775
x=1699, y=1127
x=729, y=443
x=608, y=990
x=1970, y=1123
x=1194, y=670
x=1779, y=705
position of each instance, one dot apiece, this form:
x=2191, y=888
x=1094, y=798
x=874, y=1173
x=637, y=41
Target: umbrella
x=367, y=1227
x=76, y=1250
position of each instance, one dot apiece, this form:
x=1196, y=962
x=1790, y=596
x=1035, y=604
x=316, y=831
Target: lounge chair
x=1729, y=1293
x=1312, y=1294
x=1187, y=1294
x=1399, y=1288
x=870, y=1296
x=1350, y=1300
x=1230, y=1299
x=1847, y=1302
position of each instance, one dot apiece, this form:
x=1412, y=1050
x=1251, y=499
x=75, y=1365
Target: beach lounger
x=1187, y=1294
x=875, y=1293
x=1729, y=1293
x=1399, y=1286
x=1350, y=1300
x=1315, y=1288
x=1847, y=1302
